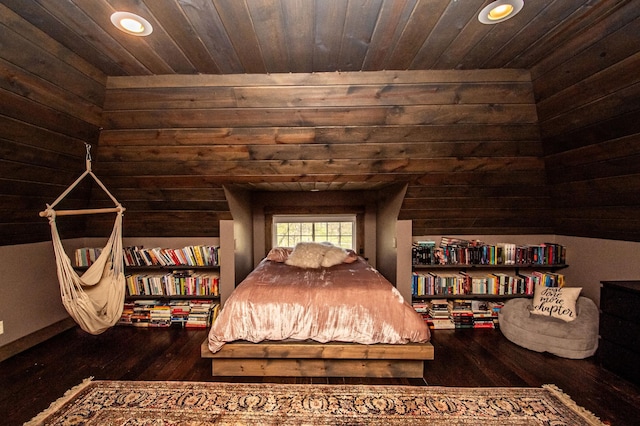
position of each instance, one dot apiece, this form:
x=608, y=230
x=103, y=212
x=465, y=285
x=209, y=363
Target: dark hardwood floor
x=31, y=380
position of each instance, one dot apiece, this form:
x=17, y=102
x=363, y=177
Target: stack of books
x=137, y=313
x=160, y=316
x=495, y=307
x=483, y=316
x=439, y=315
x=180, y=310
x=423, y=309
x=202, y=313
x=461, y=313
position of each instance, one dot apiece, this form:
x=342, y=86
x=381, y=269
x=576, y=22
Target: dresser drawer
x=620, y=303
x=620, y=360
x=620, y=331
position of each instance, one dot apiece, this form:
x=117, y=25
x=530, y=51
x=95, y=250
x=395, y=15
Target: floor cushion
x=575, y=339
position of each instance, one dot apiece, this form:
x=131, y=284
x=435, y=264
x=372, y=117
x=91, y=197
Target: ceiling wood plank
x=269, y=24
x=316, y=96
x=209, y=28
x=451, y=22
x=325, y=78
x=360, y=22
x=328, y=33
x=299, y=30
x=387, y=150
x=239, y=27
x=403, y=115
x=324, y=166
x=528, y=133
x=386, y=33
x=417, y=28
x=177, y=26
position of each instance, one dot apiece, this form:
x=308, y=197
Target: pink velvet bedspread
x=349, y=302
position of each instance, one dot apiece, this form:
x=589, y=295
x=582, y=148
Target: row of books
x=462, y=252
x=458, y=313
x=177, y=283
x=154, y=313
x=434, y=284
x=198, y=255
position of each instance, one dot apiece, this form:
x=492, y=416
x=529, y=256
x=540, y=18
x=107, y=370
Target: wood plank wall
x=588, y=98
x=467, y=142
x=50, y=105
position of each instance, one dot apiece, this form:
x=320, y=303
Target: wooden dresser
x=619, y=346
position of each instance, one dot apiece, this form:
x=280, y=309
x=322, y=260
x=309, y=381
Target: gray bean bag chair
x=575, y=339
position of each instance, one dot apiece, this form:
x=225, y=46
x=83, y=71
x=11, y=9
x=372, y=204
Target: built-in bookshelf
x=167, y=286
x=469, y=281
x=469, y=269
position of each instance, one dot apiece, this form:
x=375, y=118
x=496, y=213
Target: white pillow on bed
x=315, y=255
x=307, y=255
x=333, y=256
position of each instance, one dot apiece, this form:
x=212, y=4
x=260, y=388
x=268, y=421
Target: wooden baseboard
x=30, y=340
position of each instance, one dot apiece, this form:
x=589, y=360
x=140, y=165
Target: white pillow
x=307, y=255
x=333, y=256
x=557, y=302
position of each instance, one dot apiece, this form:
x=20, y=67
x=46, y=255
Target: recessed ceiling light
x=131, y=23
x=500, y=10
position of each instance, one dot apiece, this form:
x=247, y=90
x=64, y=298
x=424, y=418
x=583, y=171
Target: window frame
x=315, y=218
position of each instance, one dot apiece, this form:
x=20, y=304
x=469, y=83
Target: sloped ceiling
x=327, y=94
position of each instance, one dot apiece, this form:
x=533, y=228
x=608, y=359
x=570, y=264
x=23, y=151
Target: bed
x=317, y=315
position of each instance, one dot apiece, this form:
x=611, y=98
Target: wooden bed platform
x=312, y=359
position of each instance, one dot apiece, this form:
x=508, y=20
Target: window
x=288, y=230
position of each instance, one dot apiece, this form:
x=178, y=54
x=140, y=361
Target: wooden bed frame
x=312, y=359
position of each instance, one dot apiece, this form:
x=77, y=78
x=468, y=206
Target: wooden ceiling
x=301, y=36
x=489, y=126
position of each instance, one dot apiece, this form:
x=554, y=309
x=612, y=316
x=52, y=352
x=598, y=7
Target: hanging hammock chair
x=94, y=299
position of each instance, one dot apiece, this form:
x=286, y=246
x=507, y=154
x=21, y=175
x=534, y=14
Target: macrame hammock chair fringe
x=94, y=299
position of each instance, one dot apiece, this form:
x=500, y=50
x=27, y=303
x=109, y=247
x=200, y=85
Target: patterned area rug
x=194, y=403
